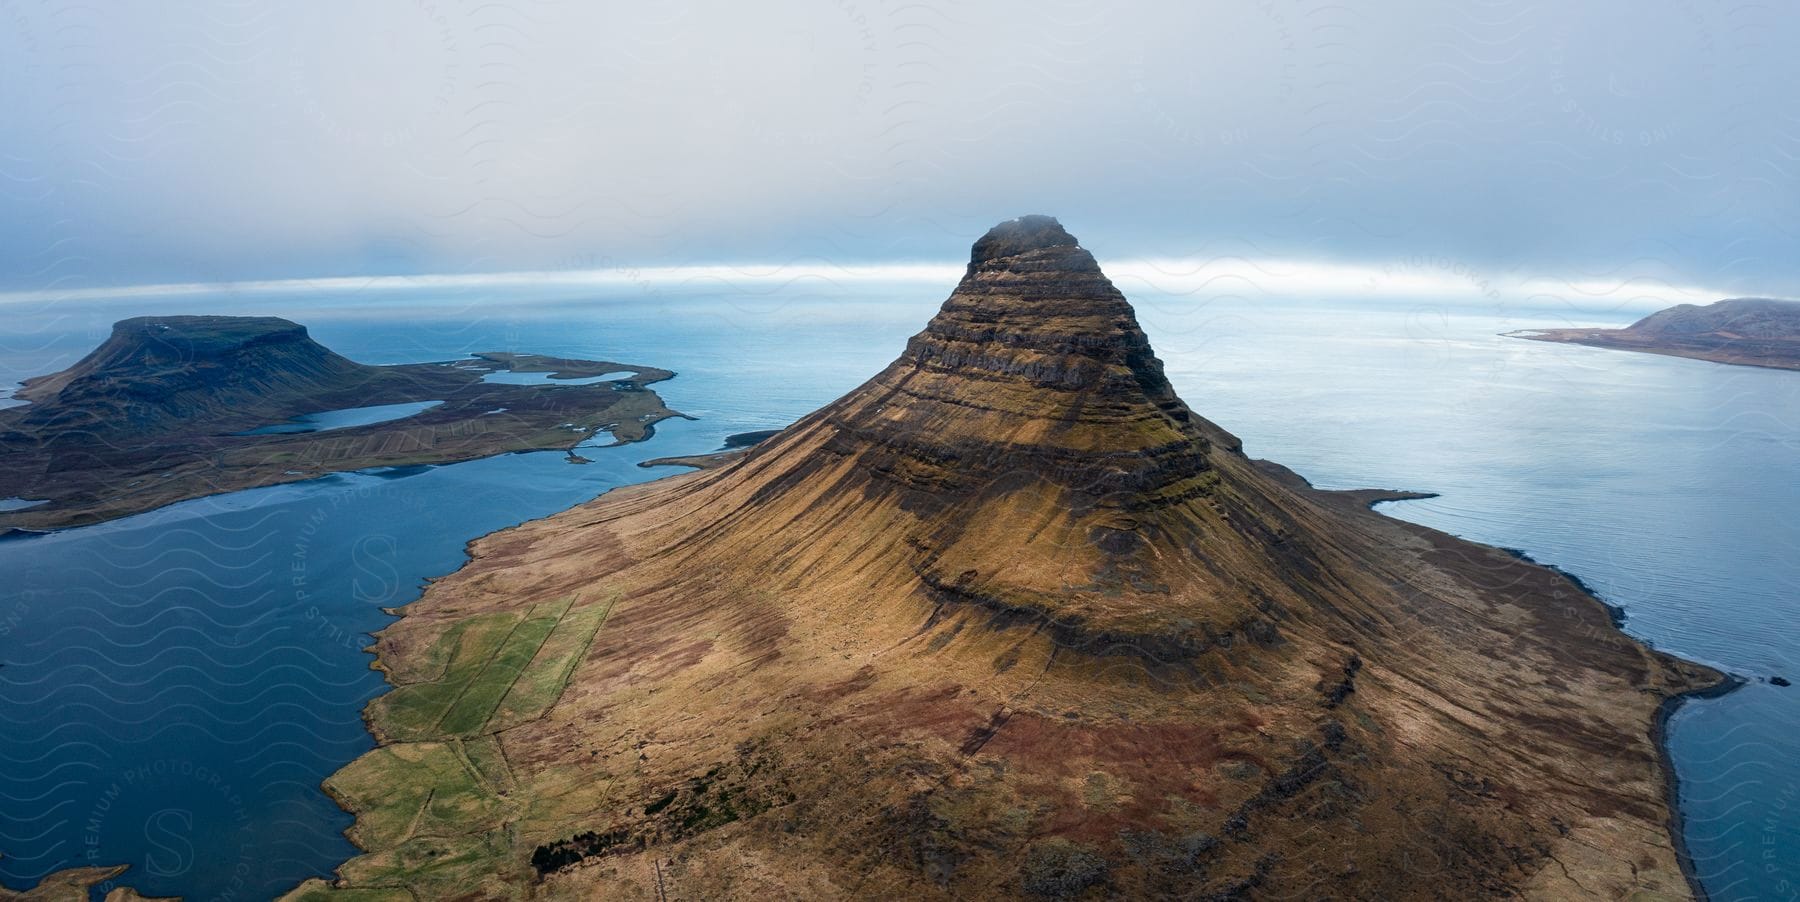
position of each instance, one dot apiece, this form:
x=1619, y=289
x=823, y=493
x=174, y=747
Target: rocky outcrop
x=1010, y=620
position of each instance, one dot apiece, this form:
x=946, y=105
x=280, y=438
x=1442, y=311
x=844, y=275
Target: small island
x=1741, y=331
x=176, y=407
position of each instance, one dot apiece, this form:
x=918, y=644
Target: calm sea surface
x=173, y=686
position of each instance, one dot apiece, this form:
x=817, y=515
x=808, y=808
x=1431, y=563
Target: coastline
x=1364, y=501
x=1368, y=498
x=736, y=446
x=1672, y=782
x=647, y=426
x=1616, y=611
x=306, y=889
x=1659, y=725
x=1598, y=338
x=1729, y=683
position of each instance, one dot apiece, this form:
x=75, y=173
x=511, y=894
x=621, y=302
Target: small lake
x=509, y=377
x=176, y=684
x=346, y=418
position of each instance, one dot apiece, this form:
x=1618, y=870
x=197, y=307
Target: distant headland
x=175, y=407
x=1742, y=331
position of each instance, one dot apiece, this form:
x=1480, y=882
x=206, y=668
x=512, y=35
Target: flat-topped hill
x=157, y=373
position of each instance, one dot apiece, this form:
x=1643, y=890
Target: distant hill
x=1744, y=331
x=161, y=373
x=174, y=407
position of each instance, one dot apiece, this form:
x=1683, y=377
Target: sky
x=1645, y=145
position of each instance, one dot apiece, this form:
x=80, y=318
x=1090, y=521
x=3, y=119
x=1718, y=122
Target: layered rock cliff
x=1009, y=620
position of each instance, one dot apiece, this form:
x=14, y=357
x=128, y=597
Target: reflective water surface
x=348, y=417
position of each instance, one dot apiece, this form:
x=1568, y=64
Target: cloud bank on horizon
x=1641, y=143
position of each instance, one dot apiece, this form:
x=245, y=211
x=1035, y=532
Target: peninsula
x=1008, y=620
x=77, y=885
x=1742, y=331
x=175, y=407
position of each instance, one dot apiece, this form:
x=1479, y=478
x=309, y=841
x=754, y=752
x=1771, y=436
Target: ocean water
x=176, y=684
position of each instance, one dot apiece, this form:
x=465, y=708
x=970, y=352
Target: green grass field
x=491, y=672
x=440, y=798
x=535, y=690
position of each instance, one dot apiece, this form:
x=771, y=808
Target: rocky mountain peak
x=1033, y=394
x=1020, y=236
x=1040, y=331
x=1010, y=616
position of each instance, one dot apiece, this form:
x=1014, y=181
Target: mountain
x=1009, y=620
x=1745, y=331
x=159, y=373
x=175, y=407
x=1737, y=318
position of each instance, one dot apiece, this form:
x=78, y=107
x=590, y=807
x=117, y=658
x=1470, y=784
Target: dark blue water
x=176, y=684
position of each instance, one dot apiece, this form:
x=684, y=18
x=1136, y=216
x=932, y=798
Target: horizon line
x=1423, y=276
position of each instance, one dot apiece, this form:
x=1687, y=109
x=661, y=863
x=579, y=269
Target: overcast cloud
x=1654, y=140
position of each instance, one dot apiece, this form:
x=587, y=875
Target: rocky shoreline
x=1659, y=726
x=736, y=446
x=1678, y=818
